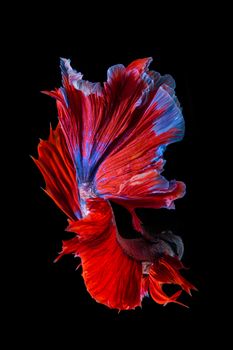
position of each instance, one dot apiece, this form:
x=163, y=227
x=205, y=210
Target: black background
x=187, y=49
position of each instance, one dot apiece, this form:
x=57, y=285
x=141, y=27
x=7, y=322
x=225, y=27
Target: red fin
x=171, y=267
x=166, y=271
x=158, y=294
x=111, y=277
x=55, y=163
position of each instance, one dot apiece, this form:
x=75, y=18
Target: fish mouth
x=173, y=242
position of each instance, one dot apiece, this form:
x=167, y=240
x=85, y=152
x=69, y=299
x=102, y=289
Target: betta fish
x=108, y=146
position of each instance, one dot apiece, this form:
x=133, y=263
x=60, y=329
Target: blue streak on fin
x=171, y=117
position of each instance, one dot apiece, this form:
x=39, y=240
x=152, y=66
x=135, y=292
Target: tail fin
x=116, y=134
